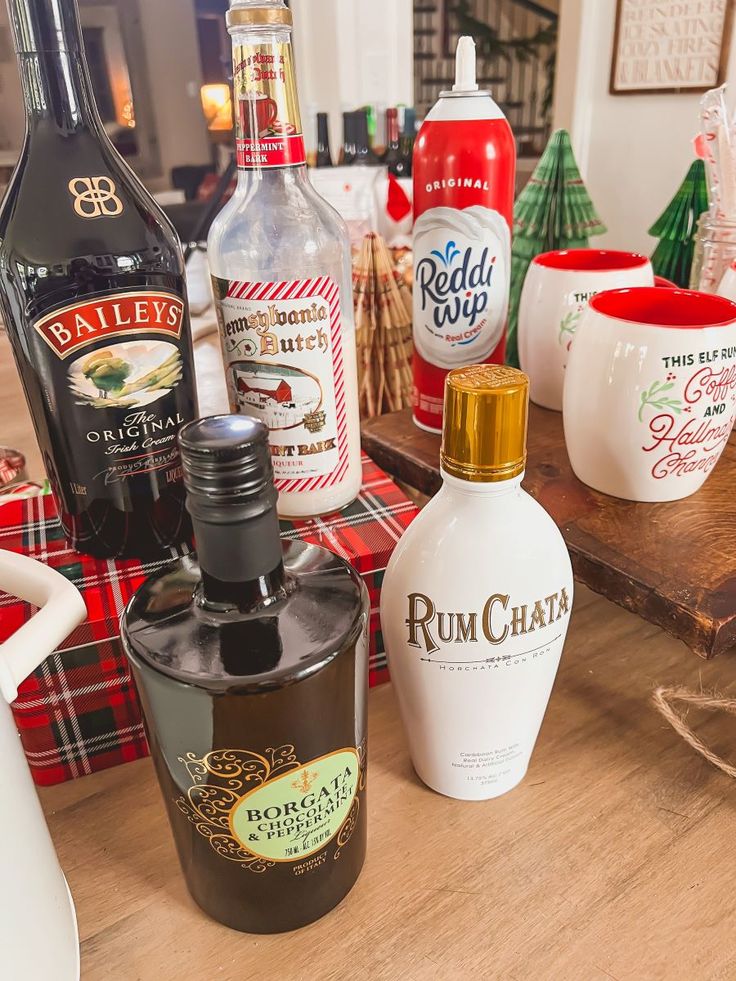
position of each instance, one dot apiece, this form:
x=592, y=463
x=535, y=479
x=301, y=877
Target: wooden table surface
x=613, y=858
x=674, y=564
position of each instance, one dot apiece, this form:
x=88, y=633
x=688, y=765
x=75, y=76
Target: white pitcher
x=38, y=926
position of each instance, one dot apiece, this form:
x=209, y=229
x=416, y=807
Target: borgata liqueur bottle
x=464, y=167
x=280, y=260
x=251, y=662
x=476, y=599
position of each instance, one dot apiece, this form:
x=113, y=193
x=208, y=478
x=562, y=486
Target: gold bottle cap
x=485, y=422
x=239, y=16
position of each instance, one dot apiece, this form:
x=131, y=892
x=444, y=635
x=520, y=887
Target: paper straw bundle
x=718, y=149
x=383, y=330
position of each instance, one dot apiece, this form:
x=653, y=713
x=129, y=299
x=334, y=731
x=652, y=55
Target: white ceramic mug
x=37, y=896
x=650, y=391
x=556, y=291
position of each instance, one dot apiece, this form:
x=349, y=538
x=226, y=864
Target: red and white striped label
x=282, y=347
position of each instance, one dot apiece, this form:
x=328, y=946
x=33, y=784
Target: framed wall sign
x=670, y=45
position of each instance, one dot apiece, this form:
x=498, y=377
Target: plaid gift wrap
x=79, y=711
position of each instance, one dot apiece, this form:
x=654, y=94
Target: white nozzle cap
x=465, y=66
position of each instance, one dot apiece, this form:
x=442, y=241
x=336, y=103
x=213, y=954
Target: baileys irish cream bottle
x=280, y=258
x=476, y=600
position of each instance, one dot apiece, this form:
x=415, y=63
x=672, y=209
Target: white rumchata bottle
x=476, y=599
x=280, y=261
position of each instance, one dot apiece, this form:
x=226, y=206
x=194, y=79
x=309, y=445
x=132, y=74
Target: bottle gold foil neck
x=485, y=423
x=247, y=16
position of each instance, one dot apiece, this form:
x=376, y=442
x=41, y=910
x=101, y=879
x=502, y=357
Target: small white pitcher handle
x=61, y=609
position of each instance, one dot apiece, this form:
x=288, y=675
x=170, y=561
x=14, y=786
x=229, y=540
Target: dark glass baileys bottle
x=251, y=665
x=93, y=296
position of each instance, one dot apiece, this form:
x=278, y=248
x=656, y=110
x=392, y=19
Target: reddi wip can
x=464, y=169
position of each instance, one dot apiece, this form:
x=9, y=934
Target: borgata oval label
x=297, y=813
x=461, y=284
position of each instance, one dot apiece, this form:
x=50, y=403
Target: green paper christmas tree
x=554, y=211
x=677, y=225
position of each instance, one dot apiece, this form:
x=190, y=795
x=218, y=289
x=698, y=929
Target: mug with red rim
x=555, y=294
x=666, y=283
x=650, y=391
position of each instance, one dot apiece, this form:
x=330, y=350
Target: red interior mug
x=650, y=391
x=555, y=295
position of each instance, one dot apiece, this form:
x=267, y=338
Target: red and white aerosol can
x=464, y=168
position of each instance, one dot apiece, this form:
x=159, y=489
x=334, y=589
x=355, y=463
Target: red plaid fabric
x=79, y=711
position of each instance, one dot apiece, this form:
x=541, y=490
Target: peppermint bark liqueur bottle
x=251, y=664
x=93, y=295
x=280, y=260
x=476, y=598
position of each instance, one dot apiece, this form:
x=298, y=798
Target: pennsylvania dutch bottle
x=280, y=260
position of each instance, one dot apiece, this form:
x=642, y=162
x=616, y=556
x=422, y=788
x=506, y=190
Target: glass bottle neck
x=274, y=178
x=54, y=76
x=481, y=490
x=247, y=595
x=241, y=561
x=56, y=91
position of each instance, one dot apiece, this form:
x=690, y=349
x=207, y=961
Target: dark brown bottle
x=406, y=140
x=251, y=665
x=347, y=153
x=393, y=158
x=365, y=156
x=93, y=295
x=324, y=157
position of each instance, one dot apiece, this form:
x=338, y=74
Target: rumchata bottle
x=476, y=599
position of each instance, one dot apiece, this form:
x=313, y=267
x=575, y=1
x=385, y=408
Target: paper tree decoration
x=383, y=315
x=676, y=227
x=553, y=211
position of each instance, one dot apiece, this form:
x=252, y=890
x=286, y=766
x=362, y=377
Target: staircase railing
x=519, y=75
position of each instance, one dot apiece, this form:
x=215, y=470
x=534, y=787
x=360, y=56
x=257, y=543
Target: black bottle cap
x=227, y=468
x=45, y=25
